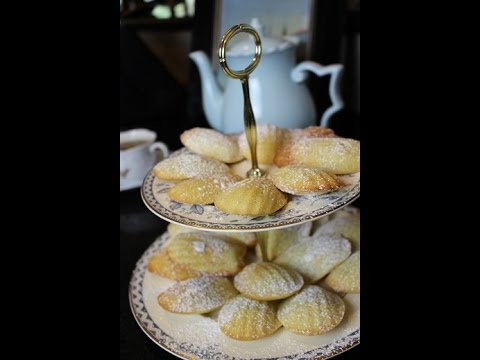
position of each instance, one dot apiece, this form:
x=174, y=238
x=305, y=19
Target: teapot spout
x=212, y=95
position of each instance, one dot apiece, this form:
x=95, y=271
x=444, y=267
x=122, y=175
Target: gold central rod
x=242, y=75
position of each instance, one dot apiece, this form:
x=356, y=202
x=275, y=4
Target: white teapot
x=277, y=92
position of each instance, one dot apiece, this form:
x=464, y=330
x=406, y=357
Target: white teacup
x=138, y=153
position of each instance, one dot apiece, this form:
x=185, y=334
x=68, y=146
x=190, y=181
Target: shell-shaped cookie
x=211, y=143
x=332, y=154
x=346, y=224
x=345, y=278
x=304, y=180
x=313, y=311
x=268, y=139
x=201, y=190
x=274, y=242
x=197, y=296
x=252, y=196
x=188, y=165
x=292, y=136
x=247, y=238
x=161, y=264
x=206, y=253
x=245, y=319
x=316, y=258
x=267, y=281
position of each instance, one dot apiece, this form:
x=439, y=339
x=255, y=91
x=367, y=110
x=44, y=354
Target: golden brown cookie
x=292, y=136
x=201, y=190
x=316, y=258
x=211, y=143
x=345, y=222
x=345, y=278
x=252, y=196
x=332, y=154
x=269, y=138
x=272, y=243
x=245, y=319
x=304, y=180
x=267, y=281
x=161, y=264
x=247, y=238
x=313, y=311
x=188, y=165
x=206, y=253
x=200, y=295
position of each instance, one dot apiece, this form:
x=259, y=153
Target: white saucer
x=130, y=184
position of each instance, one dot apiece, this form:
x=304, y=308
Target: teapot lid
x=247, y=46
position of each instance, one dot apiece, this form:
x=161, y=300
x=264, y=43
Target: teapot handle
x=299, y=74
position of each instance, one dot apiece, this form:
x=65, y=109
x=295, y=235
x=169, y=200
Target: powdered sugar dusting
x=198, y=246
x=345, y=277
x=332, y=154
x=188, y=165
x=316, y=258
x=312, y=311
x=244, y=318
x=267, y=281
x=252, y=196
x=211, y=143
x=199, y=336
x=197, y=295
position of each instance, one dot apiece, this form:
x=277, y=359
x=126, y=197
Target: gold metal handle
x=242, y=75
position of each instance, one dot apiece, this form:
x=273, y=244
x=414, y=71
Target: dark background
x=156, y=93
x=160, y=86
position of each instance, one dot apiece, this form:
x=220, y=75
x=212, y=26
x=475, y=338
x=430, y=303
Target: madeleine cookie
x=291, y=136
x=267, y=281
x=161, y=264
x=207, y=254
x=245, y=319
x=332, y=154
x=313, y=311
x=346, y=223
x=268, y=139
x=252, y=196
x=274, y=242
x=247, y=238
x=304, y=180
x=211, y=143
x=316, y=258
x=345, y=278
x=201, y=190
x=197, y=296
x=188, y=165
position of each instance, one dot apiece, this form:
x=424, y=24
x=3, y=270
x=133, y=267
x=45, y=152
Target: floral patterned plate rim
x=199, y=337
x=299, y=209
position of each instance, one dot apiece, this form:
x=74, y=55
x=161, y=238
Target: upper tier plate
x=298, y=210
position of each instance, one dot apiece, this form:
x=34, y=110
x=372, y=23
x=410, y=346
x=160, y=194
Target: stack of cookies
x=304, y=162
x=258, y=282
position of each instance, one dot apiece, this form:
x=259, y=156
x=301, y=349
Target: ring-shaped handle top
x=230, y=33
